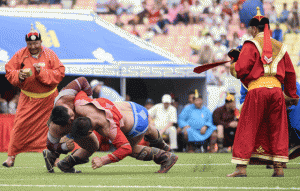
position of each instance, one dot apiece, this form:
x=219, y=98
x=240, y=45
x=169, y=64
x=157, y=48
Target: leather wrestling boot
x=67, y=165
x=50, y=158
x=278, y=169
x=167, y=160
x=10, y=161
x=240, y=171
x=158, y=143
x=272, y=167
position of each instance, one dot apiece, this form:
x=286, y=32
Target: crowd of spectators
x=193, y=127
x=220, y=31
x=14, y=3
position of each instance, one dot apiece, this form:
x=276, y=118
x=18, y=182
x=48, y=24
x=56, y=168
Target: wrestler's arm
x=54, y=137
x=120, y=141
x=80, y=84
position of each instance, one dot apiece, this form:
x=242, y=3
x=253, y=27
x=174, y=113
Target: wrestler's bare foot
x=166, y=166
x=9, y=161
x=240, y=171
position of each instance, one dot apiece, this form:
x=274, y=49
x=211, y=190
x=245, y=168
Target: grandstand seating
x=178, y=37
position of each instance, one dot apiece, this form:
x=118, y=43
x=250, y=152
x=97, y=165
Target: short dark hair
x=191, y=92
x=60, y=115
x=81, y=127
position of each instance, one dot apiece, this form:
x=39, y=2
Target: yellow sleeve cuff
x=232, y=70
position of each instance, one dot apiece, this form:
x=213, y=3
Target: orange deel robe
x=29, y=133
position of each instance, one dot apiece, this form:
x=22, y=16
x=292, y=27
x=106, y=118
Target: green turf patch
x=191, y=172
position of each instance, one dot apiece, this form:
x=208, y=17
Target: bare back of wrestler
x=125, y=124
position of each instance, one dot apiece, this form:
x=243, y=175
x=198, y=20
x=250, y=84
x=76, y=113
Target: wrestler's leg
x=88, y=145
x=164, y=158
x=55, y=146
x=155, y=139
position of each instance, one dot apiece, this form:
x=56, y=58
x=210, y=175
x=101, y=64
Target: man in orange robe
x=37, y=71
x=263, y=65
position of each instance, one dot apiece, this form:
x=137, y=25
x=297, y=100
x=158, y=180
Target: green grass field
x=191, y=172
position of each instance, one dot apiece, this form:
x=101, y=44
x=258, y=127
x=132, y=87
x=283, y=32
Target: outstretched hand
x=96, y=163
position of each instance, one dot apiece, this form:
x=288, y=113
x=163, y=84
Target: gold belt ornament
x=39, y=95
x=266, y=81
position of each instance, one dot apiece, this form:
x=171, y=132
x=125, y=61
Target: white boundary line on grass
x=145, y=165
x=158, y=187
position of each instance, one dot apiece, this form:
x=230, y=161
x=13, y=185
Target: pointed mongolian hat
x=197, y=94
x=33, y=35
x=260, y=20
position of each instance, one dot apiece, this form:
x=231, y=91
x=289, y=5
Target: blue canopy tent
x=89, y=46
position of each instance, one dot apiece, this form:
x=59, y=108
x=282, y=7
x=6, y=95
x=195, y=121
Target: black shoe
x=67, y=165
x=6, y=165
x=49, y=160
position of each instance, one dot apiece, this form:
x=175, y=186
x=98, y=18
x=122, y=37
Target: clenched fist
x=70, y=144
x=97, y=162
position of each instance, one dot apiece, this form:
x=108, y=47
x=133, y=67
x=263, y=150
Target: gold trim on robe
x=278, y=50
x=232, y=70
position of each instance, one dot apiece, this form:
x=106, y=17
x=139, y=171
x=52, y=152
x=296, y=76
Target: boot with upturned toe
x=10, y=161
x=240, y=171
x=278, y=169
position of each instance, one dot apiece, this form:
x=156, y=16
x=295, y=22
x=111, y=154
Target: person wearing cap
x=263, y=66
x=226, y=120
x=164, y=116
x=100, y=90
x=149, y=103
x=37, y=71
x=196, y=124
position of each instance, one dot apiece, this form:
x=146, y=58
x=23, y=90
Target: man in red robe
x=263, y=65
x=37, y=71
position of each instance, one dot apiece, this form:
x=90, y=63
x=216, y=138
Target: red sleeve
x=12, y=68
x=123, y=149
x=290, y=88
x=247, y=59
x=54, y=75
x=82, y=96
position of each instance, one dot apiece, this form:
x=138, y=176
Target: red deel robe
x=30, y=129
x=262, y=132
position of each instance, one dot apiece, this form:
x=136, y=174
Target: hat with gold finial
x=33, y=35
x=260, y=20
x=197, y=94
x=229, y=98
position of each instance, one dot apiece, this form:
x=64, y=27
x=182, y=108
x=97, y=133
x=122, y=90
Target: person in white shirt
x=100, y=90
x=164, y=116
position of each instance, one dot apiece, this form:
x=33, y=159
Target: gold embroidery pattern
x=260, y=149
